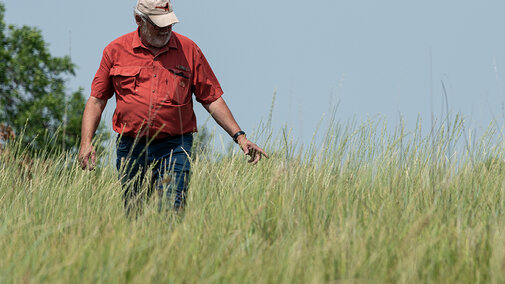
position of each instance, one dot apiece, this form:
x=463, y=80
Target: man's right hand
x=90, y=120
x=87, y=157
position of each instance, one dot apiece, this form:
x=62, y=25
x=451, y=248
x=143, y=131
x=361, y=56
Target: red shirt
x=153, y=93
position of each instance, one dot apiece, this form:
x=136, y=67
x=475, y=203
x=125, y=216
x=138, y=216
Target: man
x=153, y=72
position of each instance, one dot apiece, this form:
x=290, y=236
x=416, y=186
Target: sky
x=371, y=59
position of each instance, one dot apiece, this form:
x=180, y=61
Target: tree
x=33, y=96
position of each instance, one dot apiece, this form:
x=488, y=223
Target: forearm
x=91, y=119
x=223, y=116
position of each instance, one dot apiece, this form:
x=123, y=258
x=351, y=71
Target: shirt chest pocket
x=178, y=83
x=125, y=79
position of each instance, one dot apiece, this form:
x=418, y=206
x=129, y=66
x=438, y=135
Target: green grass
x=363, y=207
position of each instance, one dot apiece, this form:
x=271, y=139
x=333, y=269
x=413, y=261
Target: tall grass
x=366, y=205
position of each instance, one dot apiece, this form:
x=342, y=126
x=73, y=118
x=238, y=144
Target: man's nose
x=165, y=29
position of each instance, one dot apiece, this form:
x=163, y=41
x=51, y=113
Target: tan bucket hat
x=159, y=11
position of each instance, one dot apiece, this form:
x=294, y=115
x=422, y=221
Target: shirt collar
x=172, y=42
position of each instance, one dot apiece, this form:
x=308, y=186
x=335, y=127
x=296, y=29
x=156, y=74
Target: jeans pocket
x=123, y=146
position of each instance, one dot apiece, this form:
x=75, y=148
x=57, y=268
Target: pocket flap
x=180, y=73
x=125, y=71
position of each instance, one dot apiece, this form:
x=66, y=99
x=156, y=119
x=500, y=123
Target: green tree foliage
x=33, y=96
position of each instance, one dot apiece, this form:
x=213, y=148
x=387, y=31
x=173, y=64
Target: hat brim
x=164, y=20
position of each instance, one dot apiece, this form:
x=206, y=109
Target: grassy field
x=364, y=206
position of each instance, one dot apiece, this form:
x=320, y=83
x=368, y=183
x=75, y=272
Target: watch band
x=236, y=135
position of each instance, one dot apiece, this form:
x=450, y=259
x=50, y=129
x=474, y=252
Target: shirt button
x=153, y=91
x=154, y=75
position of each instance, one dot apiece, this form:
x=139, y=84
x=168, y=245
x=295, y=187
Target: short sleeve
x=102, y=87
x=205, y=84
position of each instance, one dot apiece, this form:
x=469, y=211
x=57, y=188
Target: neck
x=153, y=49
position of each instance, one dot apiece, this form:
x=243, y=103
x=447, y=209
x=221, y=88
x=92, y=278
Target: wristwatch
x=236, y=135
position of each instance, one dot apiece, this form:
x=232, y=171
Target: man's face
x=153, y=35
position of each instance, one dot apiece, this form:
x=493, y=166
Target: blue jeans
x=168, y=161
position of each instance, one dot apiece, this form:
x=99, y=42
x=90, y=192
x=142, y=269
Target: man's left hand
x=251, y=149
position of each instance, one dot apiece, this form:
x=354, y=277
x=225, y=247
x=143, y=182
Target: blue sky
x=370, y=57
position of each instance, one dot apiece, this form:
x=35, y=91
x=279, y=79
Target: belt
x=158, y=138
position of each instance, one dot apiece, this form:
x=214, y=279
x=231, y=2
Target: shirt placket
x=154, y=94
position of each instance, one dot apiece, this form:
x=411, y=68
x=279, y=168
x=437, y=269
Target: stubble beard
x=153, y=39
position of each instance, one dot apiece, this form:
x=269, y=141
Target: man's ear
x=138, y=20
